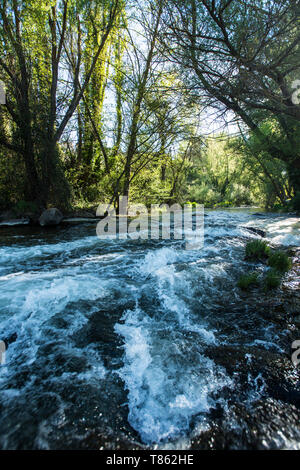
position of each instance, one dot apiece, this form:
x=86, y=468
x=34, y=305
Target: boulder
x=257, y=231
x=50, y=217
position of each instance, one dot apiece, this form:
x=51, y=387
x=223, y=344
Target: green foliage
x=224, y=204
x=280, y=261
x=268, y=176
x=272, y=280
x=12, y=185
x=295, y=203
x=257, y=250
x=270, y=132
x=171, y=161
x=248, y=280
x=228, y=172
x=215, y=176
x=189, y=203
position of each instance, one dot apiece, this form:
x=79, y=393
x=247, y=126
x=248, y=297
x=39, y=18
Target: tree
x=242, y=56
x=40, y=100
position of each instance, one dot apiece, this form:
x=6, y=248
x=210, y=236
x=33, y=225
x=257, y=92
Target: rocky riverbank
x=48, y=218
x=260, y=427
x=255, y=422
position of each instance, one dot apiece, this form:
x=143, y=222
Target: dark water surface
x=132, y=344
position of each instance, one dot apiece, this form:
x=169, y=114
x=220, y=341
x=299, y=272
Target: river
x=135, y=344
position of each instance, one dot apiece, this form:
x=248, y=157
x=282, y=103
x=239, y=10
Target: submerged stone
x=50, y=217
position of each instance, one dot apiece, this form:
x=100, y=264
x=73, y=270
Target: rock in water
x=50, y=217
x=257, y=231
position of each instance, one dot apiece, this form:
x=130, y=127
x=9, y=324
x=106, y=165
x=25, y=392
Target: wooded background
x=114, y=97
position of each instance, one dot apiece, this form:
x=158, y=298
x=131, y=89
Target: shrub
x=223, y=204
x=295, y=203
x=248, y=280
x=280, y=261
x=272, y=279
x=257, y=250
x=189, y=203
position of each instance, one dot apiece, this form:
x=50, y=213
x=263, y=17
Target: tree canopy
x=112, y=97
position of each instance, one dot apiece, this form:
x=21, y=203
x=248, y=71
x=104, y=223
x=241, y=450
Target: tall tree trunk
x=294, y=175
x=138, y=102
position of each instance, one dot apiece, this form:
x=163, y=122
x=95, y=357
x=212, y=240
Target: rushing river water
x=129, y=344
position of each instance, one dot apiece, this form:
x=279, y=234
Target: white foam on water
x=285, y=232
x=29, y=302
x=104, y=259
x=171, y=384
x=156, y=261
x=12, y=223
x=62, y=290
x=11, y=276
x=219, y=232
x=267, y=345
x=280, y=230
x=14, y=254
x=50, y=291
x=167, y=384
x=171, y=285
x=286, y=240
x=165, y=388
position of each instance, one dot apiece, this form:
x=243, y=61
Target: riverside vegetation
x=278, y=262
x=115, y=97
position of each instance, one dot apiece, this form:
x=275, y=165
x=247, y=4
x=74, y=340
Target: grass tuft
x=257, y=250
x=272, y=279
x=248, y=280
x=280, y=261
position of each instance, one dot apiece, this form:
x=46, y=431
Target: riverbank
x=88, y=214
x=277, y=378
